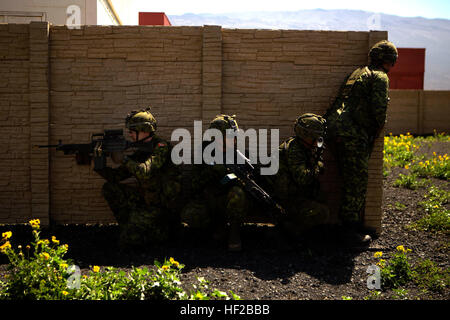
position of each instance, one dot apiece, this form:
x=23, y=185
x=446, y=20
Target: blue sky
x=405, y=8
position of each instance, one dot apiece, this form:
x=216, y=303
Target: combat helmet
x=222, y=122
x=310, y=125
x=141, y=120
x=383, y=51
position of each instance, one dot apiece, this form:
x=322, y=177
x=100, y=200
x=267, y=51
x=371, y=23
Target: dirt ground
x=270, y=265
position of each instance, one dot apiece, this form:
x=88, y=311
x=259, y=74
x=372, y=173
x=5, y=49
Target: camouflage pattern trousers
x=302, y=215
x=353, y=163
x=139, y=223
x=216, y=209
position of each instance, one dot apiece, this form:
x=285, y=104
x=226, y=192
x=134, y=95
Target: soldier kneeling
x=146, y=213
x=217, y=201
x=296, y=185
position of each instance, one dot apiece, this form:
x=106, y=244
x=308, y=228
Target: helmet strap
x=143, y=139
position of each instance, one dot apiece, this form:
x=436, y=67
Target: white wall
x=54, y=11
x=103, y=16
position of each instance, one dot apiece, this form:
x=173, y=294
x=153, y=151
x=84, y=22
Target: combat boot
x=354, y=235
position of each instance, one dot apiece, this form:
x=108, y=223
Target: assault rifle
x=245, y=173
x=110, y=143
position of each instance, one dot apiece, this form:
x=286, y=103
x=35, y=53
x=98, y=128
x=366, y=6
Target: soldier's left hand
x=320, y=167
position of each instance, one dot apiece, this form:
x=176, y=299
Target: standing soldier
x=296, y=185
x=355, y=120
x=146, y=213
x=217, y=201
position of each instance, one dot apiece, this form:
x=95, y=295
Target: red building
x=153, y=19
x=408, y=72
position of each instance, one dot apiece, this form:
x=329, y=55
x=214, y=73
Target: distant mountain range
x=417, y=32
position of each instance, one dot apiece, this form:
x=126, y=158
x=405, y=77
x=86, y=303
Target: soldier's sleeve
x=379, y=99
x=298, y=168
x=155, y=161
x=114, y=174
x=205, y=175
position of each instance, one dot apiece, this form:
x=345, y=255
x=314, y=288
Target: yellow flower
x=43, y=241
x=401, y=248
x=406, y=167
x=198, y=295
x=378, y=254
x=165, y=267
x=35, y=223
x=45, y=255
x=381, y=262
x=54, y=240
x=64, y=265
x=96, y=269
x=6, y=235
x=65, y=293
x=174, y=262
x=5, y=246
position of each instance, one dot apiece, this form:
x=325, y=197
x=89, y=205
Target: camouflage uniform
x=355, y=119
x=146, y=213
x=296, y=185
x=215, y=202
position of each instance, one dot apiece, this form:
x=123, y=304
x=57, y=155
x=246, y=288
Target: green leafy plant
x=409, y=181
x=203, y=292
x=437, y=216
x=400, y=206
x=42, y=273
x=400, y=294
x=438, y=167
x=430, y=277
x=161, y=283
x=397, y=271
x=39, y=271
x=401, y=151
x=374, y=295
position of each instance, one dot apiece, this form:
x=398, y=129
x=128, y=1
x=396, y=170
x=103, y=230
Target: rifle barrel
x=47, y=146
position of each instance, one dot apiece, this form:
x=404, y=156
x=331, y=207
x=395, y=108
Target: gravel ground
x=271, y=267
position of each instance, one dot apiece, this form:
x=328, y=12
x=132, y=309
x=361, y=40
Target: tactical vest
x=285, y=186
x=352, y=114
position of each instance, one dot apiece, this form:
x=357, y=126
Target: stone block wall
x=419, y=112
x=66, y=84
x=15, y=172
